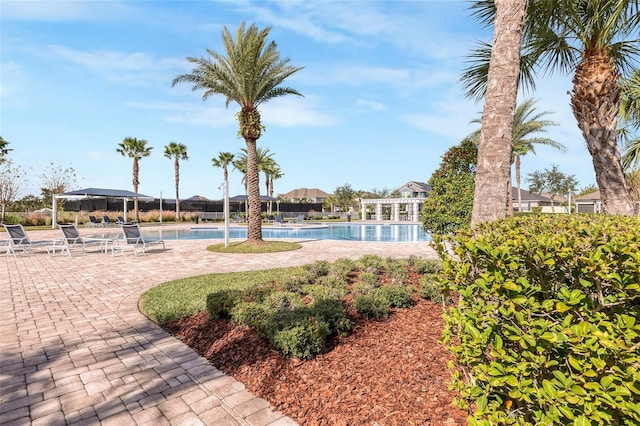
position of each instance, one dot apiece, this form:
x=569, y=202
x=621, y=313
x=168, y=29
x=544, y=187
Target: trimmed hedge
x=547, y=325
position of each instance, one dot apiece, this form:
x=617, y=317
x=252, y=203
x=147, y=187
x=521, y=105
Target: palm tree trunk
x=177, y=172
x=494, y=152
x=595, y=102
x=509, y=205
x=254, y=233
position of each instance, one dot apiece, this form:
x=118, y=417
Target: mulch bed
x=389, y=372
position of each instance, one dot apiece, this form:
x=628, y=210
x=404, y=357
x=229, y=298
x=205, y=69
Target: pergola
x=96, y=193
x=412, y=207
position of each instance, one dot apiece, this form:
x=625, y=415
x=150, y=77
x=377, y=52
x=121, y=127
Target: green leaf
x=482, y=403
x=561, y=307
x=549, y=388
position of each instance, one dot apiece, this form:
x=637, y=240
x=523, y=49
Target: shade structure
x=241, y=198
x=98, y=193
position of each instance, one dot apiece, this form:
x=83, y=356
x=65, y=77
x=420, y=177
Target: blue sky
x=382, y=99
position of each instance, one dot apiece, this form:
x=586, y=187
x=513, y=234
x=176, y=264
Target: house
x=414, y=189
x=308, y=195
x=589, y=203
x=531, y=200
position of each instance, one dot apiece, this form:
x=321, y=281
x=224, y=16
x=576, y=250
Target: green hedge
x=546, y=329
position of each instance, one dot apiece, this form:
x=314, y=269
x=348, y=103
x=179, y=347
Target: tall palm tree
x=136, y=149
x=526, y=122
x=494, y=152
x=250, y=73
x=223, y=160
x=272, y=172
x=596, y=41
x=178, y=152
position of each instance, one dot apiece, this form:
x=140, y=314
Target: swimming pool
x=337, y=231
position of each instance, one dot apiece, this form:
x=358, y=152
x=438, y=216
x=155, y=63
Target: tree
x=57, y=180
x=223, y=160
x=552, y=181
x=596, y=41
x=136, y=149
x=448, y=207
x=178, y=152
x=633, y=181
x=4, y=151
x=263, y=161
x=12, y=180
x=272, y=172
x=586, y=190
x=250, y=73
x=345, y=196
x=630, y=114
x=527, y=122
x=493, y=172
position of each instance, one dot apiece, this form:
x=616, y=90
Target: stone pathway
x=74, y=348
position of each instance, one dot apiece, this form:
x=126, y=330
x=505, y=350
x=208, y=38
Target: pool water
x=349, y=232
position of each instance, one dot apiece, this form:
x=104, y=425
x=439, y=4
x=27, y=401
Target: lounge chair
x=72, y=238
x=279, y=220
x=106, y=221
x=18, y=239
x=300, y=220
x=133, y=239
x=93, y=222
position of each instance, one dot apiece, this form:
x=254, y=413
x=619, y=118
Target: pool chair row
x=129, y=239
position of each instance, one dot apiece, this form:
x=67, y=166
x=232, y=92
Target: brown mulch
x=389, y=372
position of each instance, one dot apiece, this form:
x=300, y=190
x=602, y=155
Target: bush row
x=547, y=325
x=298, y=315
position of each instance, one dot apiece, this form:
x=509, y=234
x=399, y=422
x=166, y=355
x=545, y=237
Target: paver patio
x=74, y=348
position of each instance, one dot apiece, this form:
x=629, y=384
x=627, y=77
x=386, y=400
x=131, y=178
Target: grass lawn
x=187, y=296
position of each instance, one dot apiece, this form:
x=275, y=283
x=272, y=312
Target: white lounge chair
x=72, y=238
x=19, y=240
x=134, y=240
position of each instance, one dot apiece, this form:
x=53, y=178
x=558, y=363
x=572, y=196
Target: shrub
x=221, y=302
x=548, y=320
x=318, y=268
x=425, y=266
x=295, y=282
x=396, y=296
x=283, y=301
x=369, y=278
x=342, y=267
x=371, y=263
x=320, y=292
x=429, y=289
x=250, y=314
x=258, y=293
x=304, y=340
x=370, y=306
x=397, y=271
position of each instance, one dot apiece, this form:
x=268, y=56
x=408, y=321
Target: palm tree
x=595, y=41
x=272, y=173
x=494, y=152
x=526, y=122
x=223, y=160
x=630, y=114
x=264, y=160
x=4, y=151
x=251, y=73
x=178, y=152
x=136, y=149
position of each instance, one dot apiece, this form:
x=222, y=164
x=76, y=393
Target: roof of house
x=528, y=196
x=416, y=186
x=591, y=196
x=308, y=193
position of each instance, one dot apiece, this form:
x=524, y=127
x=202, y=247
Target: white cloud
x=375, y=106
x=294, y=111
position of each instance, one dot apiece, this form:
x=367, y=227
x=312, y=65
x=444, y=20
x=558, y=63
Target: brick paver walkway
x=74, y=348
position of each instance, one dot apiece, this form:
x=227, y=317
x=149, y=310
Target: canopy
x=240, y=198
x=98, y=193
x=103, y=193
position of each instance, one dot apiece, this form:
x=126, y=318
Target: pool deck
x=74, y=348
